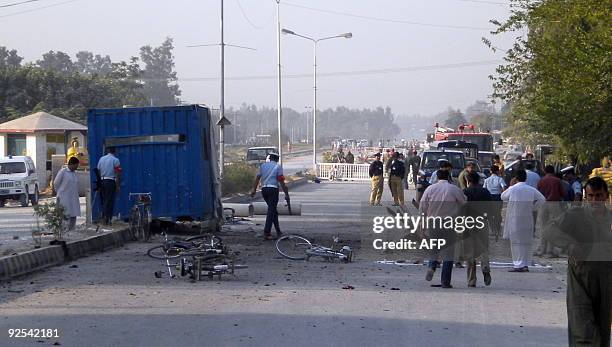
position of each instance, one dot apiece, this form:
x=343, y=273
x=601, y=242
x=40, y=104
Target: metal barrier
x=351, y=172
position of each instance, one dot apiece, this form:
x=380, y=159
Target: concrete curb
x=38, y=259
x=245, y=198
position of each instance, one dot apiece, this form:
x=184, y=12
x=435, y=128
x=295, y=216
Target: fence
x=350, y=172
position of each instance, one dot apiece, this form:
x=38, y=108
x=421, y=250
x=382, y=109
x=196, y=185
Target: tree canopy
x=557, y=74
x=67, y=88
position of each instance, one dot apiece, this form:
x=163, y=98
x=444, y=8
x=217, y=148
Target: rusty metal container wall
x=167, y=151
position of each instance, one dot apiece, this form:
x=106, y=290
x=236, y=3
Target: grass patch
x=238, y=178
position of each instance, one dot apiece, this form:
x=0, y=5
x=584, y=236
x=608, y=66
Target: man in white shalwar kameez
x=66, y=185
x=522, y=200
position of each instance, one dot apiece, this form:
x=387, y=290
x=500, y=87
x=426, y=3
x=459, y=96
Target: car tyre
x=24, y=198
x=2, y=203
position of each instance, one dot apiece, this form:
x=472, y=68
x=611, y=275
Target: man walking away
x=586, y=232
x=476, y=241
x=66, y=185
x=110, y=172
x=376, y=175
x=575, y=192
x=442, y=199
x=522, y=200
x=495, y=184
x=532, y=177
x=271, y=176
x=396, y=175
x=414, y=163
x=552, y=189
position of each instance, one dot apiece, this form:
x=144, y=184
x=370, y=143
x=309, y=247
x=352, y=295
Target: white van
x=18, y=180
x=258, y=155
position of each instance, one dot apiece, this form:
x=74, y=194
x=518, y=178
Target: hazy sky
x=120, y=27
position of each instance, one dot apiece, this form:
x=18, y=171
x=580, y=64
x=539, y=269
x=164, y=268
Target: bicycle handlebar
x=140, y=194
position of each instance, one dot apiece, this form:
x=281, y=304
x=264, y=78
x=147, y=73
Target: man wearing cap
x=575, y=191
x=376, y=175
x=271, y=176
x=396, y=175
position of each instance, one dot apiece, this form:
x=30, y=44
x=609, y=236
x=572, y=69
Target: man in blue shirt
x=270, y=176
x=109, y=168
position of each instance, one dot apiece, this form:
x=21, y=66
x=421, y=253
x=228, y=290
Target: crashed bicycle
x=297, y=247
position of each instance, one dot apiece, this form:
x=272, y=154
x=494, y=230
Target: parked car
x=485, y=159
x=18, y=180
x=520, y=164
x=429, y=164
x=258, y=155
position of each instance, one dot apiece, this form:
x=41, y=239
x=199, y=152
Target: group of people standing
x=397, y=167
x=565, y=223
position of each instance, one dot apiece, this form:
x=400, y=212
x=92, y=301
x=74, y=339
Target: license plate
x=4, y=192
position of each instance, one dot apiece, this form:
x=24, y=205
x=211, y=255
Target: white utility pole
x=279, y=103
x=314, y=105
x=222, y=103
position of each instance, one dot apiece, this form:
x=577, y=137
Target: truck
x=466, y=133
x=169, y=152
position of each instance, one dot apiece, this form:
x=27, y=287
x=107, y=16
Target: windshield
x=486, y=159
x=259, y=154
x=430, y=160
x=12, y=168
x=484, y=142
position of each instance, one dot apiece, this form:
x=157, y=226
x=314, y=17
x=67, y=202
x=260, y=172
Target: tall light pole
x=314, y=101
x=307, y=126
x=279, y=101
x=223, y=121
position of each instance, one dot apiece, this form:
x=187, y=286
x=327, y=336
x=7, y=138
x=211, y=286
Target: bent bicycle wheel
x=134, y=223
x=162, y=253
x=146, y=222
x=293, y=246
x=206, y=239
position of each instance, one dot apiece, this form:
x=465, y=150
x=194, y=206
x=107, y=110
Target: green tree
x=158, y=75
x=87, y=63
x=9, y=58
x=452, y=118
x=57, y=61
x=481, y=114
x=557, y=76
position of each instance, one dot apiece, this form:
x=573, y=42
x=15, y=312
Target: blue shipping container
x=168, y=151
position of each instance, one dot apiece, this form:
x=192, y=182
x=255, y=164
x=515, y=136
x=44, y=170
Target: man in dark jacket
x=586, y=232
x=376, y=174
x=475, y=240
x=396, y=175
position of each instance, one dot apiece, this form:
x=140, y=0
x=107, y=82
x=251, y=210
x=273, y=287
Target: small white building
x=40, y=135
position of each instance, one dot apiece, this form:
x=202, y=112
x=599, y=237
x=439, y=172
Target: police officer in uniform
x=376, y=174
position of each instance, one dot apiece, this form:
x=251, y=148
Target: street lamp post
x=314, y=101
x=279, y=100
x=307, y=126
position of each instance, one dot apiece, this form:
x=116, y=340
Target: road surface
x=113, y=299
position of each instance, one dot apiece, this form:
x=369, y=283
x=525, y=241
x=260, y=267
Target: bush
x=53, y=214
x=238, y=178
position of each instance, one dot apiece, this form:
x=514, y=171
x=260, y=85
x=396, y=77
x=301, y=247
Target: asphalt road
x=113, y=299
x=17, y=224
